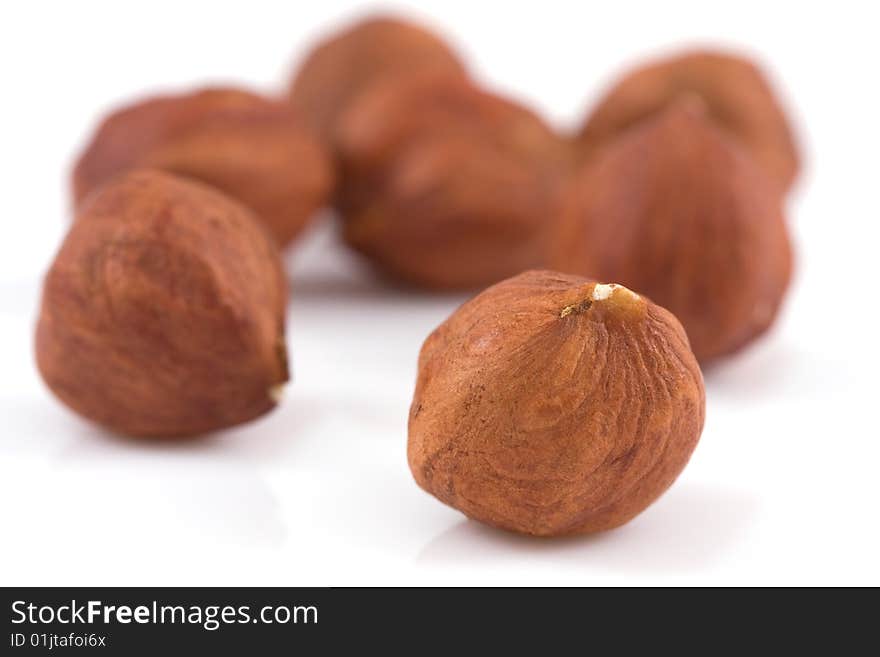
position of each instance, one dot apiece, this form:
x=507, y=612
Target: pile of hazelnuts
x=566, y=396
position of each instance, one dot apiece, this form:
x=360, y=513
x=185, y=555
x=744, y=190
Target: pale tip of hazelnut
x=276, y=392
x=603, y=291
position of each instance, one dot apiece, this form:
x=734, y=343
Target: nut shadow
x=770, y=369
x=689, y=530
x=321, y=268
x=269, y=439
x=208, y=490
x=211, y=490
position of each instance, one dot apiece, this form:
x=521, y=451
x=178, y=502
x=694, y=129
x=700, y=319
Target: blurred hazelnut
x=445, y=185
x=678, y=211
x=345, y=64
x=252, y=148
x=736, y=95
x=551, y=404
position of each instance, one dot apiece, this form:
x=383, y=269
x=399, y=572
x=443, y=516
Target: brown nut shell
x=341, y=67
x=447, y=186
x=388, y=118
x=163, y=312
x=454, y=214
x=680, y=212
x=550, y=404
x=737, y=96
x=250, y=147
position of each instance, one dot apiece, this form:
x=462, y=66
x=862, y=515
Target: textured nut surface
x=163, y=312
x=252, y=148
x=736, y=95
x=448, y=186
x=391, y=115
x=344, y=65
x=457, y=215
x=552, y=405
x=679, y=212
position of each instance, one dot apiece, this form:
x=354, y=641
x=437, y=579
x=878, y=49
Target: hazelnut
x=388, y=118
x=736, y=95
x=252, y=148
x=680, y=212
x=456, y=215
x=550, y=404
x=447, y=186
x=342, y=66
x=163, y=312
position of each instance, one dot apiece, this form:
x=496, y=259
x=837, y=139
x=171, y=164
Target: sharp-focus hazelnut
x=163, y=312
x=250, y=147
x=550, y=404
x=447, y=186
x=736, y=95
x=346, y=64
x=679, y=211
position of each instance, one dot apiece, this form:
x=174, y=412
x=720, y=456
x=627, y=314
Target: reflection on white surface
x=688, y=530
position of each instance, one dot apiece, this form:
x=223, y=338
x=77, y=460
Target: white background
x=783, y=488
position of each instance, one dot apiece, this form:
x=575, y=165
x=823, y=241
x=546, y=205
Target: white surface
x=783, y=488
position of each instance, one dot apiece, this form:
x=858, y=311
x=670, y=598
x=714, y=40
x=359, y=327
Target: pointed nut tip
x=276, y=392
x=603, y=291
